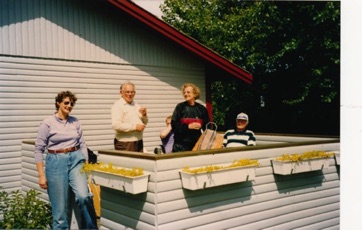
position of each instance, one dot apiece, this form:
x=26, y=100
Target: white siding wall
x=301, y=201
x=82, y=30
x=305, y=201
x=90, y=48
x=28, y=88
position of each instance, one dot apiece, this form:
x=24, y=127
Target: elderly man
x=239, y=136
x=129, y=120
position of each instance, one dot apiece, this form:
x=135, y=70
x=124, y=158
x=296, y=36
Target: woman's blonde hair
x=196, y=90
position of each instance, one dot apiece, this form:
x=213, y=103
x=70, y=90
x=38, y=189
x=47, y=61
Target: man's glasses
x=68, y=102
x=129, y=92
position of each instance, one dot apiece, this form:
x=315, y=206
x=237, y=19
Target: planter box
x=291, y=167
x=204, y=180
x=133, y=185
x=337, y=156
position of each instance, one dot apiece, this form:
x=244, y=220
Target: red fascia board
x=182, y=39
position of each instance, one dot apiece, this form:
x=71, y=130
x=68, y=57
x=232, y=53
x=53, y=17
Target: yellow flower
x=109, y=168
x=211, y=168
x=304, y=156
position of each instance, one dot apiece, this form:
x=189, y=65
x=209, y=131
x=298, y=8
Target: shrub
x=24, y=212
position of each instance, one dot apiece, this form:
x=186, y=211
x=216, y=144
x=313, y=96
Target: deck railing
x=269, y=201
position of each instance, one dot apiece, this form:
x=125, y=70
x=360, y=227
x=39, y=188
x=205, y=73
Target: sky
x=150, y=5
x=350, y=108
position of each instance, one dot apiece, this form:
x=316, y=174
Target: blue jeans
x=63, y=175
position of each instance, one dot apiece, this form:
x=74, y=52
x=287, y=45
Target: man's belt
x=67, y=150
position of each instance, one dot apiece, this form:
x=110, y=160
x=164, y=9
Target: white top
x=125, y=116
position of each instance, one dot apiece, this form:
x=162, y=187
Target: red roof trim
x=182, y=39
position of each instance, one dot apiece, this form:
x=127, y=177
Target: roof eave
x=182, y=39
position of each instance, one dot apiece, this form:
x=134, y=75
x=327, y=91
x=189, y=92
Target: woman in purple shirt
x=62, y=136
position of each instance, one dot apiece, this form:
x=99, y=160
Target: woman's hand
x=42, y=179
x=195, y=125
x=43, y=182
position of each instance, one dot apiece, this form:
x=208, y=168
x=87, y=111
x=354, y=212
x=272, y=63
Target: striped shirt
x=233, y=138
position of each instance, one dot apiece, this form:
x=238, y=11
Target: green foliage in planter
x=24, y=212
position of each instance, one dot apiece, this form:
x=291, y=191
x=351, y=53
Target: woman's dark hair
x=64, y=94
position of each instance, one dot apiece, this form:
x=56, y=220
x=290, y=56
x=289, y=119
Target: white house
x=90, y=48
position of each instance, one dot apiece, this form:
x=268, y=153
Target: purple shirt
x=167, y=142
x=55, y=134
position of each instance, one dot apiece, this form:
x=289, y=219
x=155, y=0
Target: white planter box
x=133, y=185
x=197, y=181
x=338, y=156
x=291, y=167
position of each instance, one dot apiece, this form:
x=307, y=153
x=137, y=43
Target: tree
x=292, y=49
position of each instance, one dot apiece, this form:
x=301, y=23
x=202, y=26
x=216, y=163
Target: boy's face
x=168, y=121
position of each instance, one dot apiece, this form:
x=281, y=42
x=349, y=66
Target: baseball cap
x=242, y=116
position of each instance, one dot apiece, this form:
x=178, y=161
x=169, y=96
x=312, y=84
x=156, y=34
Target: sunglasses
x=68, y=102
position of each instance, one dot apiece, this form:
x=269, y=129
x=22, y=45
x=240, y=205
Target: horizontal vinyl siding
x=134, y=211
x=269, y=202
x=301, y=201
x=29, y=177
x=28, y=88
x=82, y=31
x=307, y=201
x=29, y=172
x=90, y=48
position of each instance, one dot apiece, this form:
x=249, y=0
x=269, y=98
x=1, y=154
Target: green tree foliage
x=292, y=49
